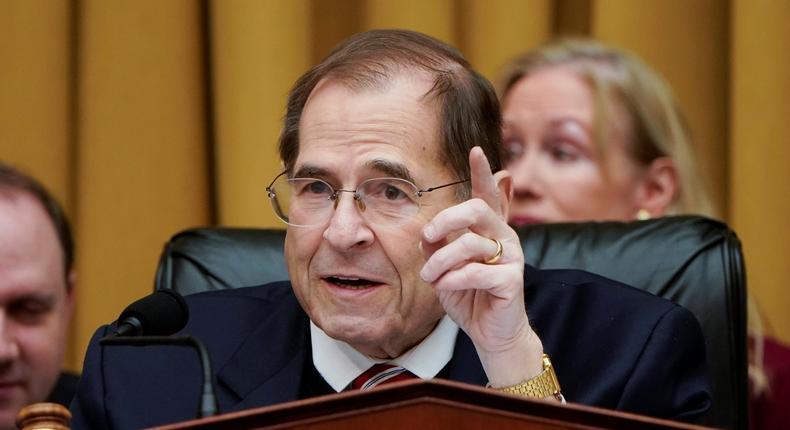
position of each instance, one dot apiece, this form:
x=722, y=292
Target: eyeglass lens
x=309, y=201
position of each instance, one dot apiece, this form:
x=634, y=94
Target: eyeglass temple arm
x=275, y=179
x=428, y=190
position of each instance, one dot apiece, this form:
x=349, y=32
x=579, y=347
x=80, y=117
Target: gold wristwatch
x=542, y=386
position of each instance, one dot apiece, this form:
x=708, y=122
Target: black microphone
x=159, y=314
x=150, y=321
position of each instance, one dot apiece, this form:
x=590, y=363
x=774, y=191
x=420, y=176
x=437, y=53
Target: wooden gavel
x=43, y=416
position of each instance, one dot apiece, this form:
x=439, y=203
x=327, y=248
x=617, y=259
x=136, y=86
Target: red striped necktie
x=380, y=374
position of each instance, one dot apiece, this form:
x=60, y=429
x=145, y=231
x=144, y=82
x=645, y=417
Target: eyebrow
x=556, y=122
x=559, y=122
x=387, y=167
x=311, y=171
x=395, y=170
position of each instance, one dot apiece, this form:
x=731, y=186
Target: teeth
x=351, y=283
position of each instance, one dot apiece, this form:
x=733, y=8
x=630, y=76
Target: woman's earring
x=643, y=214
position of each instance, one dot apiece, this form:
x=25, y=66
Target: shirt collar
x=339, y=363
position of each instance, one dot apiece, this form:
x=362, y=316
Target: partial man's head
x=36, y=291
x=386, y=117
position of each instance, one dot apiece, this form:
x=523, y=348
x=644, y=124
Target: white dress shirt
x=339, y=364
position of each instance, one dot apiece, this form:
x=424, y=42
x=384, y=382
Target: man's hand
x=485, y=300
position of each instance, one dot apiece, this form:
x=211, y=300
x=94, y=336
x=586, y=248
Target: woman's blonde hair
x=621, y=80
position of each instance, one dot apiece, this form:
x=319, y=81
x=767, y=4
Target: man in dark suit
x=36, y=295
x=399, y=254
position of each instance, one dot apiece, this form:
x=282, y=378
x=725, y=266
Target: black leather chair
x=693, y=261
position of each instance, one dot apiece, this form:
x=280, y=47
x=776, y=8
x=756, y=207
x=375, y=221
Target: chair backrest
x=693, y=261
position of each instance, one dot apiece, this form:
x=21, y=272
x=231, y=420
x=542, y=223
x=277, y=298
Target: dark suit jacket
x=64, y=389
x=612, y=346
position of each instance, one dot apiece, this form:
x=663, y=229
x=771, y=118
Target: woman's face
x=558, y=173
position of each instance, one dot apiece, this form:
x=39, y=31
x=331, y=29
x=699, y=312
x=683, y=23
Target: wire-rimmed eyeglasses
x=308, y=202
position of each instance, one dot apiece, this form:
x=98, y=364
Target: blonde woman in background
x=593, y=134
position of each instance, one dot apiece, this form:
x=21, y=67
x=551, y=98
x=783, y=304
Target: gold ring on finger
x=498, y=254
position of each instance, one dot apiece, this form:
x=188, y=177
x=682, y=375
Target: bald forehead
x=26, y=230
x=399, y=101
x=380, y=81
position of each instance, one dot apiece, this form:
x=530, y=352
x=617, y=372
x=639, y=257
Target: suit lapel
x=268, y=365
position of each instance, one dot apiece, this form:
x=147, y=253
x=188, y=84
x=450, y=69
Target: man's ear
x=659, y=187
x=504, y=184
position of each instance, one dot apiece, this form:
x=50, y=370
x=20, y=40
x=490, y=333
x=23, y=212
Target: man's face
x=359, y=281
x=34, y=304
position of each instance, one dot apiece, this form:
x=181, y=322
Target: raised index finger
x=483, y=183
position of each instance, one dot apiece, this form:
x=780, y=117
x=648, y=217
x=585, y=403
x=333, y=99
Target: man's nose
x=9, y=349
x=347, y=227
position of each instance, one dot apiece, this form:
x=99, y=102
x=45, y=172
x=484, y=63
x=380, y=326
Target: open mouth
x=351, y=283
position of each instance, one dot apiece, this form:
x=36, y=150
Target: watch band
x=542, y=386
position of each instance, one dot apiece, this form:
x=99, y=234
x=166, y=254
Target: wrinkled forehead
x=391, y=100
x=371, y=125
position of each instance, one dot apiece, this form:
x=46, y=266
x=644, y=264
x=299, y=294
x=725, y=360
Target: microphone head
x=160, y=314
